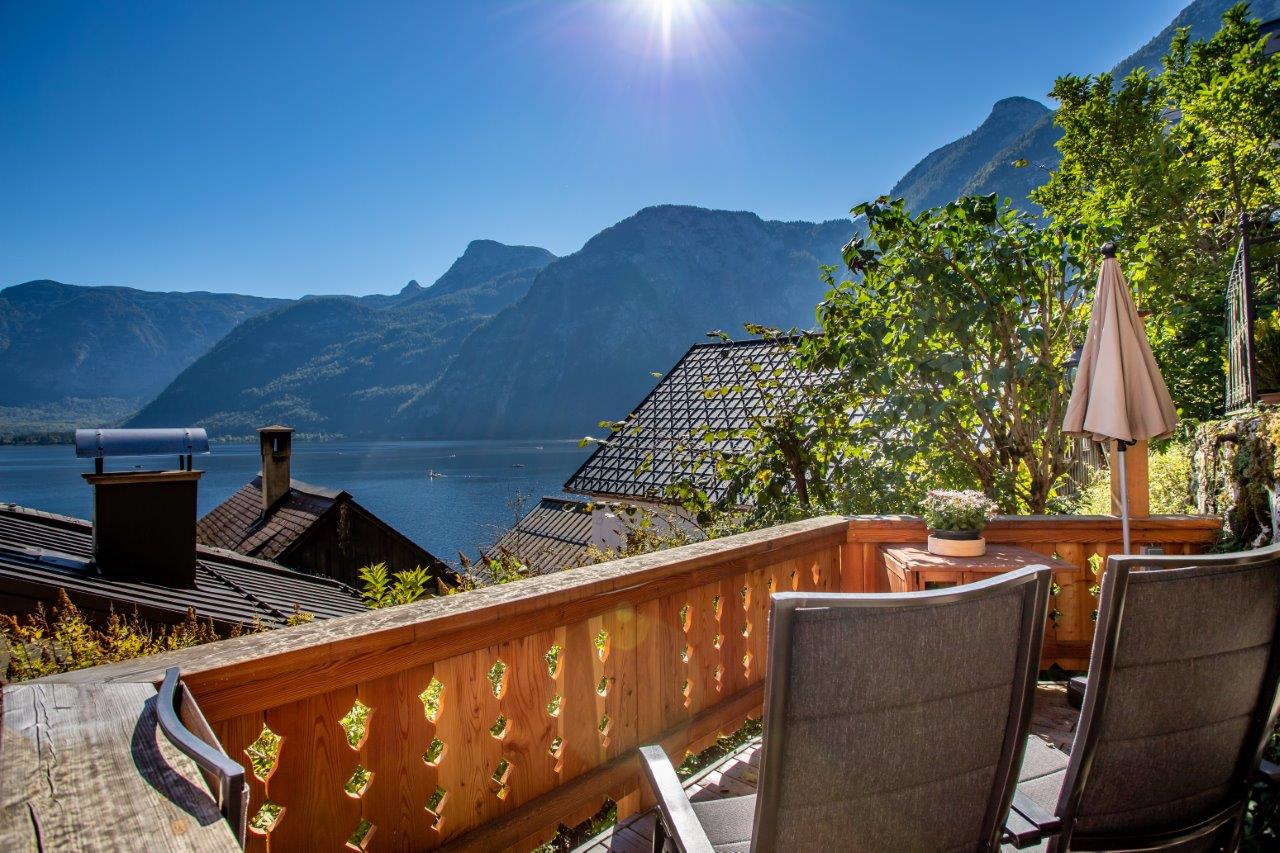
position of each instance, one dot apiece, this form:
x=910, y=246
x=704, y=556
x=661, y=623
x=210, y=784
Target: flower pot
x=957, y=543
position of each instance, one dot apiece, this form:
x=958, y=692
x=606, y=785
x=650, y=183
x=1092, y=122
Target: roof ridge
x=226, y=555
x=250, y=597
x=19, y=509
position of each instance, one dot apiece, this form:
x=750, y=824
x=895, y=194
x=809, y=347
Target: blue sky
x=287, y=148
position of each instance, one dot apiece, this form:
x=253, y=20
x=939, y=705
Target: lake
x=486, y=484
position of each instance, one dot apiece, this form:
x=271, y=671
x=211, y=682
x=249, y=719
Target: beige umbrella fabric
x=1119, y=393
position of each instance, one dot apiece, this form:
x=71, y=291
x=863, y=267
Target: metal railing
x=176, y=702
x=1242, y=388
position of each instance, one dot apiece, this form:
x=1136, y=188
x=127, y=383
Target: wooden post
x=1139, y=490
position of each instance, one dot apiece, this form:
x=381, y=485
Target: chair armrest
x=1268, y=772
x=1028, y=823
x=674, y=809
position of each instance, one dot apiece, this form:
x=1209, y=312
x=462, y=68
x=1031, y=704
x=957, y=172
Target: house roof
x=237, y=523
x=717, y=385
x=40, y=552
x=554, y=535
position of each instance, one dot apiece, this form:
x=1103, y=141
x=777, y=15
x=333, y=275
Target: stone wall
x=1235, y=471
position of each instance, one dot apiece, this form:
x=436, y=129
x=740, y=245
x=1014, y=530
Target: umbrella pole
x=1122, y=446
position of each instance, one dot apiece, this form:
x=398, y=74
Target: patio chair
x=891, y=722
x=1179, y=704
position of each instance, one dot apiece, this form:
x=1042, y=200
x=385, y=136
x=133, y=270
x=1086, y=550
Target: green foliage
x=725, y=744
x=506, y=568
x=264, y=752
x=1166, y=165
x=1236, y=472
x=952, y=510
x=45, y=644
x=381, y=588
x=299, y=617
x=266, y=817
x=355, y=724
x=950, y=344
x=1169, y=480
x=1266, y=348
x=1262, y=817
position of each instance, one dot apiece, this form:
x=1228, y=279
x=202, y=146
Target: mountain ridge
x=61, y=341
x=340, y=364
x=568, y=353
x=982, y=161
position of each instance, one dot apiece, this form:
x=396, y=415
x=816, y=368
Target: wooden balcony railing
x=483, y=721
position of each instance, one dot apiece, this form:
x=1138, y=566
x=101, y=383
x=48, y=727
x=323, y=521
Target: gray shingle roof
x=554, y=535
x=237, y=524
x=41, y=552
x=717, y=385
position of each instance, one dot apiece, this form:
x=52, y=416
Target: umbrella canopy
x=1119, y=392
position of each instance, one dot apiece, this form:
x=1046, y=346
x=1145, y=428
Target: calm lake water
x=463, y=510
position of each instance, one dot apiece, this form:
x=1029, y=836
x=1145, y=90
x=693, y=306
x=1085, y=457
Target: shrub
x=381, y=588
x=45, y=644
x=1168, y=477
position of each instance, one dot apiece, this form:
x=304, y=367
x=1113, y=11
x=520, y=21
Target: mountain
x=582, y=344
x=1203, y=17
x=340, y=364
x=68, y=350
x=945, y=173
x=1023, y=129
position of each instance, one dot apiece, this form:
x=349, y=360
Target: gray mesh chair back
x=897, y=722
x=1181, y=698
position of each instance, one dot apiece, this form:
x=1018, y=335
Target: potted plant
x=956, y=521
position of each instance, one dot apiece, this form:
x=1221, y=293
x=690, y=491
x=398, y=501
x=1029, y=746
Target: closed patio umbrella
x=1119, y=394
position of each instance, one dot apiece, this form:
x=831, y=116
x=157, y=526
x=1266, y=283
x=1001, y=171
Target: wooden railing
x=1083, y=541
x=482, y=721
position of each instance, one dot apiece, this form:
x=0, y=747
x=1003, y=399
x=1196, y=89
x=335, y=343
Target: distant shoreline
x=54, y=437
x=35, y=438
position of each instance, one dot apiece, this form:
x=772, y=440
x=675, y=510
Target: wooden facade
x=348, y=537
x=494, y=716
x=314, y=530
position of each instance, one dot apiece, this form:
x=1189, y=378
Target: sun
x=671, y=20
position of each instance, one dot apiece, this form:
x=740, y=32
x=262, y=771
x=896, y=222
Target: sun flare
x=671, y=21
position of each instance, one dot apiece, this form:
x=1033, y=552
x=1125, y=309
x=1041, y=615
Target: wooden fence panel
x=395, y=752
x=315, y=763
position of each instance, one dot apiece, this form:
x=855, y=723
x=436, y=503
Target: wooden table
x=912, y=567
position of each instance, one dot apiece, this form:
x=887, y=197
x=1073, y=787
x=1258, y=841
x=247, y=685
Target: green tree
x=803, y=450
x=949, y=343
x=939, y=363
x=1166, y=165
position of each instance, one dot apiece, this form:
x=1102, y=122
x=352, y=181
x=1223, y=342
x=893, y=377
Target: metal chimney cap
x=178, y=441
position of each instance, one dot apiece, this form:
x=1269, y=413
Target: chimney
x=144, y=522
x=144, y=526
x=276, y=444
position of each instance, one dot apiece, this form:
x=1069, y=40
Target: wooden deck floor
x=737, y=774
